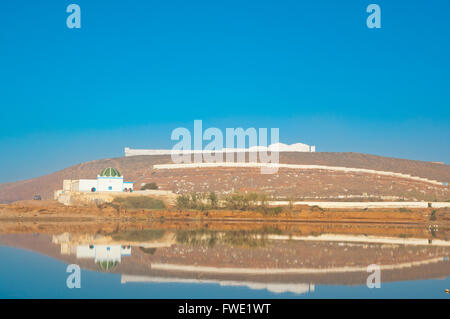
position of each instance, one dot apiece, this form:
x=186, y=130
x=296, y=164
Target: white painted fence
x=362, y=205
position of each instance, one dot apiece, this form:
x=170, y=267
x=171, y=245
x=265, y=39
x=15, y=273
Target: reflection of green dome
x=106, y=265
x=110, y=172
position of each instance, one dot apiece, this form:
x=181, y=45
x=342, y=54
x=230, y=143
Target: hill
x=286, y=183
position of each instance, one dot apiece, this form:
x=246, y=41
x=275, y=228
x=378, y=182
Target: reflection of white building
x=103, y=253
x=109, y=180
x=105, y=256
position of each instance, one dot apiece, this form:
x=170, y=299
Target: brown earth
x=53, y=211
x=299, y=184
x=293, y=184
x=51, y=227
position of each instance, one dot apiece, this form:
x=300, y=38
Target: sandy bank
x=54, y=211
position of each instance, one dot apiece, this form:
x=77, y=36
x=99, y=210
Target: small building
x=101, y=253
x=105, y=256
x=109, y=180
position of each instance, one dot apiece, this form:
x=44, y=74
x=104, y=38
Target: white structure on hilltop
x=277, y=147
x=109, y=180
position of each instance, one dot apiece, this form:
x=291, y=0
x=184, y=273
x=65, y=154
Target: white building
x=109, y=180
x=105, y=256
x=277, y=147
x=101, y=253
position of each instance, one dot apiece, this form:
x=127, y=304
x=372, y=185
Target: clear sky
x=138, y=69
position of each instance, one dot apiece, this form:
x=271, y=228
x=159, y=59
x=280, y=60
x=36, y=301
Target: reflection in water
x=272, y=287
x=265, y=259
x=106, y=257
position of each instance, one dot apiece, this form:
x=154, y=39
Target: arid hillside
x=287, y=183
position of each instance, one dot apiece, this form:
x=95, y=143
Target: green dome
x=110, y=172
x=106, y=265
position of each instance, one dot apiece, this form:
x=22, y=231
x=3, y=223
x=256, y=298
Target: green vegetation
x=139, y=202
x=433, y=215
x=183, y=201
x=213, y=200
x=316, y=208
x=151, y=185
x=237, y=238
x=235, y=201
x=196, y=237
x=138, y=235
x=106, y=265
x=244, y=238
x=249, y=201
x=273, y=210
x=149, y=251
x=433, y=233
x=200, y=201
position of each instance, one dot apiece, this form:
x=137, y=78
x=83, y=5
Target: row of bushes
x=235, y=201
x=199, y=201
x=139, y=202
x=236, y=238
x=196, y=237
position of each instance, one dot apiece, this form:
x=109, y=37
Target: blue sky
x=138, y=69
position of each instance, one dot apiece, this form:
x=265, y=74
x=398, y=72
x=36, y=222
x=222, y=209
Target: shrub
x=239, y=238
x=245, y=201
x=235, y=201
x=151, y=185
x=213, y=200
x=139, y=235
x=271, y=210
x=236, y=238
x=140, y=202
x=196, y=237
x=316, y=208
x=433, y=215
x=183, y=201
x=149, y=251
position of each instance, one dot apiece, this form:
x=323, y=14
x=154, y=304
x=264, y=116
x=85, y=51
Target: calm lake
x=184, y=260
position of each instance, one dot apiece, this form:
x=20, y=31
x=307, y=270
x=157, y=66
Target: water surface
x=219, y=261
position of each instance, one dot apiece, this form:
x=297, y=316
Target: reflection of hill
x=297, y=288
x=126, y=229
x=275, y=264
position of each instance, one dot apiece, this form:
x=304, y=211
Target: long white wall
x=277, y=147
x=362, y=205
x=296, y=166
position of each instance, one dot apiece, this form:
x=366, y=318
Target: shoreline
x=52, y=211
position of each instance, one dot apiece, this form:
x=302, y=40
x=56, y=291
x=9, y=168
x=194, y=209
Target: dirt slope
x=139, y=169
